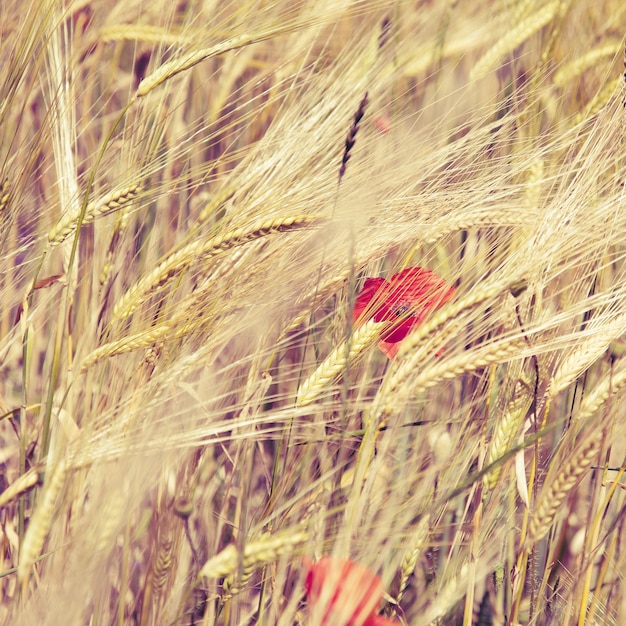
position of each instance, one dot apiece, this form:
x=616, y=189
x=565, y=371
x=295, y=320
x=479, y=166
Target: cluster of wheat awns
x=191, y=196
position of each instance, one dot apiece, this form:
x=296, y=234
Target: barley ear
x=197, y=251
x=556, y=489
x=351, y=138
x=40, y=523
x=267, y=549
x=515, y=37
x=336, y=362
x=113, y=201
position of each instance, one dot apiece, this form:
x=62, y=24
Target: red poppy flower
x=343, y=593
x=403, y=301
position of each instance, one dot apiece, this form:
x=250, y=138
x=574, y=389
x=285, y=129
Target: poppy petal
x=420, y=287
x=367, y=297
x=342, y=592
x=389, y=349
x=400, y=329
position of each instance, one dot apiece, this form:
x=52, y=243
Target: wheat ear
x=448, y=595
x=113, y=201
x=126, y=344
x=495, y=352
x=600, y=99
x=180, y=260
x=450, y=311
x=408, y=357
x=20, y=485
x=609, y=385
x=40, y=522
x=267, y=549
x=412, y=555
x=555, y=491
x=164, y=560
x=569, y=71
x=586, y=353
x=143, y=32
x=336, y=362
x=514, y=38
x=532, y=195
x=504, y=433
x=176, y=66
x=5, y=196
x=351, y=138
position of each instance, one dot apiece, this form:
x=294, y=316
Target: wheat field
x=193, y=195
